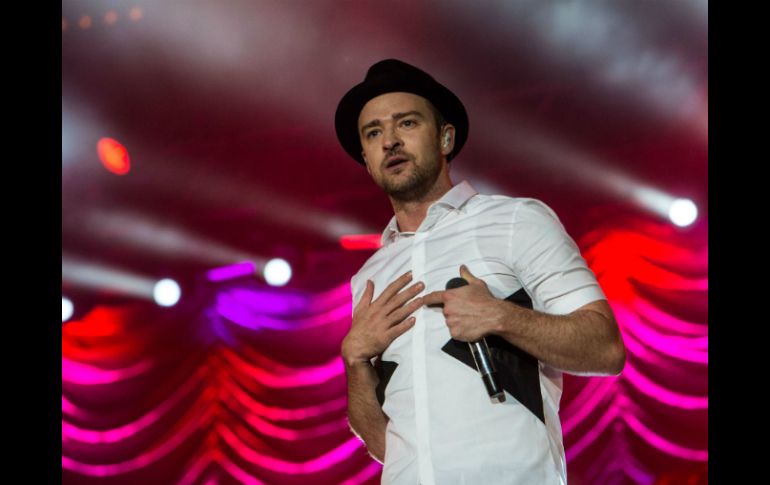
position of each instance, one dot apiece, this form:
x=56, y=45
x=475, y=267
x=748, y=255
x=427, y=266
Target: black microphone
x=480, y=352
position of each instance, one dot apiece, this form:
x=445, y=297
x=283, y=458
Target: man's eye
x=372, y=133
x=408, y=123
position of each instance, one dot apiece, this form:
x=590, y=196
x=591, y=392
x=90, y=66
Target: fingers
x=434, y=298
x=368, y=292
x=395, y=287
x=405, y=310
x=406, y=295
x=396, y=330
x=366, y=298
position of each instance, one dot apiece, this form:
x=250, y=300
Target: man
x=414, y=396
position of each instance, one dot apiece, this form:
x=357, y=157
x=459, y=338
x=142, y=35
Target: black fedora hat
x=389, y=76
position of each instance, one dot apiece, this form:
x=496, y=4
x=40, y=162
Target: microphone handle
x=485, y=366
x=480, y=352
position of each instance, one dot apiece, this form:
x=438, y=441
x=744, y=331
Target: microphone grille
x=456, y=283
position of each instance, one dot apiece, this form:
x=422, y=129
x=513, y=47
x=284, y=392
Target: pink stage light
x=190, y=426
x=602, y=391
x=215, y=456
x=277, y=413
x=691, y=349
x=658, y=441
x=322, y=462
x=286, y=379
x=663, y=321
x=71, y=432
x=287, y=434
x=662, y=394
x=88, y=375
x=591, y=436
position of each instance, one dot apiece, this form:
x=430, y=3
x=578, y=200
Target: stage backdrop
x=245, y=385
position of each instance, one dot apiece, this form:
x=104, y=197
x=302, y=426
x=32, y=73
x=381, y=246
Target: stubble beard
x=416, y=184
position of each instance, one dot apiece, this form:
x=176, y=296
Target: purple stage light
x=238, y=270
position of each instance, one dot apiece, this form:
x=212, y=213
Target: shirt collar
x=454, y=199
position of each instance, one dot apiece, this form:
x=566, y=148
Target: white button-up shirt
x=443, y=428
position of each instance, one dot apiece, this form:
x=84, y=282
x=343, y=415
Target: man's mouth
x=395, y=161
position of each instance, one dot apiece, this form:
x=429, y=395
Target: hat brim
x=350, y=106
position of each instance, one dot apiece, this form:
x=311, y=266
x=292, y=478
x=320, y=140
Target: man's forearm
x=364, y=412
x=584, y=342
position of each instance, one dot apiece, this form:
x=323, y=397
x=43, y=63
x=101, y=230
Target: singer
x=415, y=396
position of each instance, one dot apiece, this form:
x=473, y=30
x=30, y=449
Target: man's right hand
x=378, y=323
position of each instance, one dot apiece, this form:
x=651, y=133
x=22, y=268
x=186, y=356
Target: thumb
x=466, y=273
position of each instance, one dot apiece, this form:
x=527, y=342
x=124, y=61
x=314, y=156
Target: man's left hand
x=471, y=311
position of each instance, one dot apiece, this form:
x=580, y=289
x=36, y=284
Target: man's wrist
x=354, y=362
x=501, y=324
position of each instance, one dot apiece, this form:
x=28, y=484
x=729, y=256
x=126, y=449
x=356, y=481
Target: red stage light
x=361, y=241
x=114, y=156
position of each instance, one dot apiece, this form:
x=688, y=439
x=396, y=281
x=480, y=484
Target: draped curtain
x=245, y=384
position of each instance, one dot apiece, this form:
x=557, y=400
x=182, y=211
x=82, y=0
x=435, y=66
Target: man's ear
x=366, y=162
x=447, y=139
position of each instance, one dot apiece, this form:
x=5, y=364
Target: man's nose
x=390, y=139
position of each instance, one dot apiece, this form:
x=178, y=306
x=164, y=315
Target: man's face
x=400, y=142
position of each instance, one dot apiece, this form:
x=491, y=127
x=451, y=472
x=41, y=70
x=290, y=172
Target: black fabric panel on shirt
x=384, y=370
x=517, y=371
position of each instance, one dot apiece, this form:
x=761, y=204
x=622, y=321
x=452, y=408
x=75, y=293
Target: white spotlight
x=67, y=308
x=166, y=292
x=683, y=212
x=277, y=272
